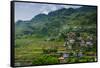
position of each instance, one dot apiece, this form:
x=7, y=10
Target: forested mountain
x=66, y=35
x=59, y=21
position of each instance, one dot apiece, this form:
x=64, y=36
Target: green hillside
x=58, y=21
x=45, y=39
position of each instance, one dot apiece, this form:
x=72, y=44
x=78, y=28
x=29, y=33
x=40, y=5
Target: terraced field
x=27, y=50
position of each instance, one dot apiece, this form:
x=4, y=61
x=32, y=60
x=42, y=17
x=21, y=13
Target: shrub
x=50, y=50
x=45, y=60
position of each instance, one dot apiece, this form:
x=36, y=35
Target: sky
x=26, y=11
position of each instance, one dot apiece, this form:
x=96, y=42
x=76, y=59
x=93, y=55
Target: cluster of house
x=73, y=42
x=71, y=39
x=63, y=57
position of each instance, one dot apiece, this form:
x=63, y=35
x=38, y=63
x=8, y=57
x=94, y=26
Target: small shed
x=62, y=60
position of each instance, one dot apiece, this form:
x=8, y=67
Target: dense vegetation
x=42, y=40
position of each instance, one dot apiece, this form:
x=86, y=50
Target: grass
x=28, y=49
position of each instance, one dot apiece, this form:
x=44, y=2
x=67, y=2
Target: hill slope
x=59, y=21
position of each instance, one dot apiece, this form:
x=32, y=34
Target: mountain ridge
x=54, y=22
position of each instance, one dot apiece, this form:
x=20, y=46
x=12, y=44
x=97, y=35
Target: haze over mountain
x=25, y=11
x=59, y=21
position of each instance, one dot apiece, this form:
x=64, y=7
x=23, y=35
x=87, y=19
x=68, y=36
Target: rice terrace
x=54, y=34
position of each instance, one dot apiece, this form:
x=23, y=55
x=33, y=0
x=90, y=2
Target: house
x=89, y=43
x=61, y=59
x=65, y=55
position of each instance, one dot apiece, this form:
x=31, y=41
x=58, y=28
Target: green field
x=29, y=51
